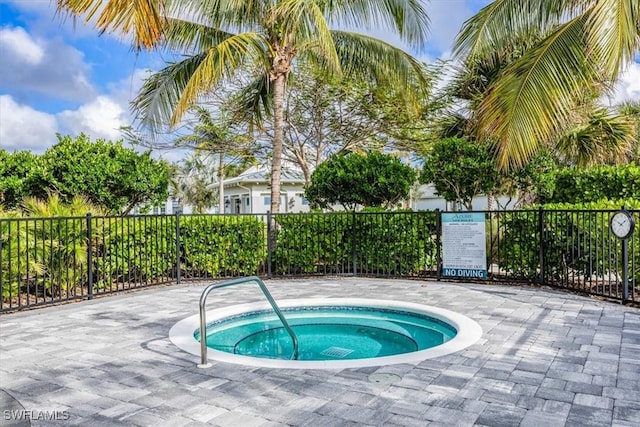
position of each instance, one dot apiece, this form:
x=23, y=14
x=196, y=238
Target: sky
x=57, y=76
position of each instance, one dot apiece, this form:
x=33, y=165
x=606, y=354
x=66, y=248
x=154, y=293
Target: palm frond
x=142, y=18
x=305, y=21
x=254, y=103
x=494, y=25
x=536, y=93
x=167, y=95
x=407, y=18
x=377, y=61
x=605, y=138
x=186, y=36
x=238, y=15
x=613, y=34
x=160, y=92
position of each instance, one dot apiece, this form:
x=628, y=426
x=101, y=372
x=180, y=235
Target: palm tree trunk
x=220, y=184
x=278, y=140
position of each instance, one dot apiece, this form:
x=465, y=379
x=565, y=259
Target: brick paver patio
x=546, y=358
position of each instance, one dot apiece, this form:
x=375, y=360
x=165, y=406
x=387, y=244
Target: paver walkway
x=546, y=358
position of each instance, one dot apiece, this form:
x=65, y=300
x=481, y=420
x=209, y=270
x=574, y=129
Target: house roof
x=261, y=174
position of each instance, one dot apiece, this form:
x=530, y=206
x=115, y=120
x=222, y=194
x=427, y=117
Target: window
x=267, y=200
x=175, y=206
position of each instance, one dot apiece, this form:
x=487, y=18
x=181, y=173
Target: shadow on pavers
x=13, y=413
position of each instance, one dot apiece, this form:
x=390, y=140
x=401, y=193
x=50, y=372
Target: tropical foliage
x=107, y=174
x=197, y=174
x=460, y=170
x=368, y=180
x=48, y=257
x=264, y=38
x=579, y=46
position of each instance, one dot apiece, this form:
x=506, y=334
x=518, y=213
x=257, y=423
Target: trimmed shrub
x=133, y=250
x=576, y=240
x=383, y=243
x=219, y=246
x=596, y=184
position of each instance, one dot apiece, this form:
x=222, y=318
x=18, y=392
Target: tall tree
x=373, y=179
x=106, y=173
x=460, y=170
x=192, y=182
x=325, y=115
x=222, y=37
x=583, y=44
x=220, y=139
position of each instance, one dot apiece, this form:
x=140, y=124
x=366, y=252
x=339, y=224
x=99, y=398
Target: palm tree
x=223, y=37
x=596, y=136
x=192, y=183
x=583, y=43
x=590, y=136
x=217, y=138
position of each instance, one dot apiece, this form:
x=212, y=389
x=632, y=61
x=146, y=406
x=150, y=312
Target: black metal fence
x=50, y=260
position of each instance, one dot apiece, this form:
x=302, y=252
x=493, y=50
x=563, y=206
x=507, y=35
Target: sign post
x=464, y=250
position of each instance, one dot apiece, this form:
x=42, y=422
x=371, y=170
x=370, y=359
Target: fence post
x=438, y=244
x=178, y=254
x=541, y=232
x=625, y=268
x=269, y=274
x=353, y=243
x=89, y=257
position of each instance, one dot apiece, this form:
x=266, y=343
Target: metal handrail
x=203, y=320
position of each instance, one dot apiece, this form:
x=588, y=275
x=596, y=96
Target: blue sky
x=57, y=77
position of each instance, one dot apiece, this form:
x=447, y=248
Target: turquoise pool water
x=328, y=333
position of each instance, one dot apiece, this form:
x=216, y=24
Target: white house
x=426, y=199
x=250, y=192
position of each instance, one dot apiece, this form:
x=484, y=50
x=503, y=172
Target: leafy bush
x=395, y=243
x=460, y=170
x=576, y=240
x=313, y=243
x=352, y=180
x=596, y=184
x=133, y=249
x=222, y=245
x=383, y=243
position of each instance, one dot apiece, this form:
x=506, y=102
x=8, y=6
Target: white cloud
x=44, y=18
x=48, y=67
x=100, y=118
x=627, y=87
x=23, y=128
x=22, y=47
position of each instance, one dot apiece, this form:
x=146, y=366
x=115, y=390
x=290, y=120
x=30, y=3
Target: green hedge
x=49, y=255
x=133, y=249
x=313, y=243
x=222, y=245
x=383, y=243
x=597, y=183
x=576, y=238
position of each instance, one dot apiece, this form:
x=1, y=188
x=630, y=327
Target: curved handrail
x=203, y=316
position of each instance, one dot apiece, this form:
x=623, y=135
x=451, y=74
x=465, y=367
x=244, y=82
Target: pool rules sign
x=464, y=250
